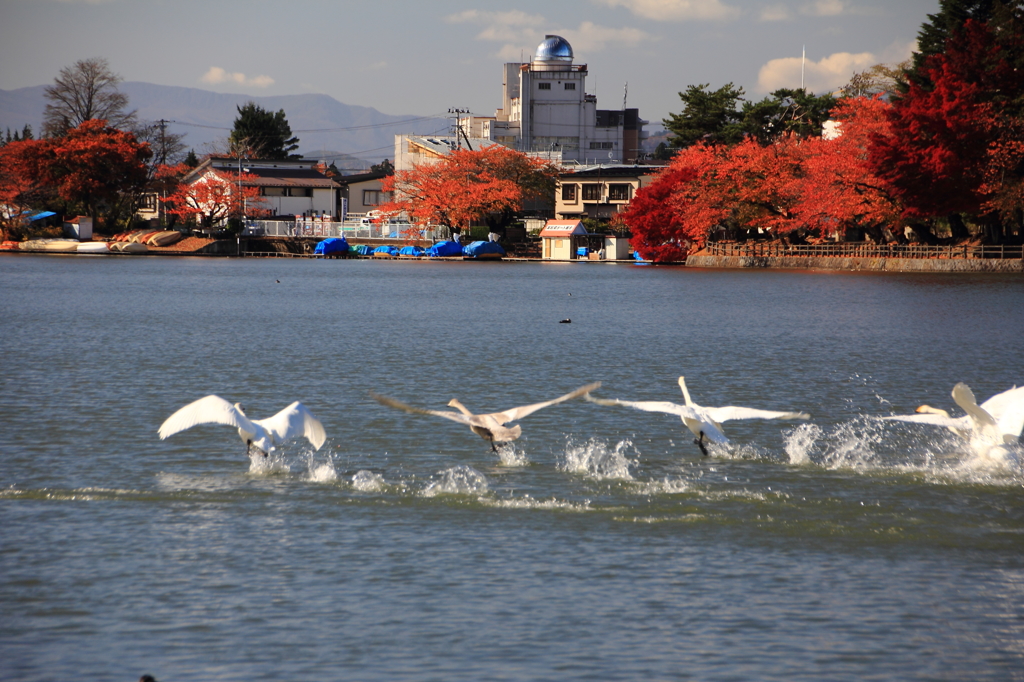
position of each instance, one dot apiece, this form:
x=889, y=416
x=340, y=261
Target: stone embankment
x=861, y=258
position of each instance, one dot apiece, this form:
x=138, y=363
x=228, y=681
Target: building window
x=543, y=86
x=569, y=192
x=273, y=191
x=300, y=191
x=618, y=192
x=591, y=192
x=148, y=202
x=602, y=145
x=374, y=197
x=570, y=86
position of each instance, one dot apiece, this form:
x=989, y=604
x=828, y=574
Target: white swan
x=490, y=427
x=988, y=427
x=703, y=422
x=263, y=434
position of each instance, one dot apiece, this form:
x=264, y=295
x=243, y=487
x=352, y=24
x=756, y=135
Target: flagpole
x=803, y=58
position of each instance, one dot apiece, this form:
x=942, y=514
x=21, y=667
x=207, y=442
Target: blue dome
x=554, y=49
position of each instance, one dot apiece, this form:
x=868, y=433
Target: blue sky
x=425, y=57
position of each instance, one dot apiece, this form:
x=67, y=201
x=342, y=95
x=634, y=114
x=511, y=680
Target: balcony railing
x=357, y=229
x=861, y=250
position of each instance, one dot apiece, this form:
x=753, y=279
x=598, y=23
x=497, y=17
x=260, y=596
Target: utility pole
x=459, y=130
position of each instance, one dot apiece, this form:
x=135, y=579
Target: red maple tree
x=937, y=150
x=466, y=186
x=93, y=169
x=214, y=197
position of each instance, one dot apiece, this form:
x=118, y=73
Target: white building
x=545, y=111
x=546, y=108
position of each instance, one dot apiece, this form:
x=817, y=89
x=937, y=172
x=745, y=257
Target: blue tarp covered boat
x=364, y=249
x=411, y=251
x=389, y=250
x=483, y=250
x=447, y=248
x=333, y=245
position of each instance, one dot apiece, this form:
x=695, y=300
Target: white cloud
x=218, y=76
x=590, y=37
x=521, y=33
x=774, y=13
x=676, y=10
x=824, y=8
x=826, y=75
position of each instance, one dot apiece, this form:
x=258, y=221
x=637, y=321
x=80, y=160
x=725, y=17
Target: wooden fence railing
x=861, y=250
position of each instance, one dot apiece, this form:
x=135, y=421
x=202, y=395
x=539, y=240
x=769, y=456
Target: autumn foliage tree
x=93, y=169
x=959, y=119
x=467, y=186
x=212, y=198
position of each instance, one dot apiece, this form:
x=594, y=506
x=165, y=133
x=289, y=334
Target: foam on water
x=367, y=481
x=594, y=459
x=461, y=479
x=528, y=502
x=320, y=471
x=269, y=464
x=872, y=444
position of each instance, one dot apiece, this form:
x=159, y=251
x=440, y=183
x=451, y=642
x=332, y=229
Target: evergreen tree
x=263, y=135
x=190, y=159
x=786, y=111
x=384, y=166
x=706, y=116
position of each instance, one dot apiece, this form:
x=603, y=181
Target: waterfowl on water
x=490, y=427
x=262, y=434
x=703, y=422
x=988, y=427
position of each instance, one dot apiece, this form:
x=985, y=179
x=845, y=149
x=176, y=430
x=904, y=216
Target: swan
x=988, y=427
x=703, y=422
x=490, y=427
x=263, y=434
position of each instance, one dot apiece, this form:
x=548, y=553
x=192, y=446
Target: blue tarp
x=332, y=245
x=411, y=251
x=637, y=256
x=582, y=251
x=364, y=249
x=441, y=249
x=477, y=249
x=40, y=216
x=390, y=250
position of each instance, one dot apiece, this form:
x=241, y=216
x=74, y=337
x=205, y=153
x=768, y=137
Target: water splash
x=367, y=481
x=511, y=457
x=269, y=464
x=800, y=442
x=459, y=480
x=594, y=459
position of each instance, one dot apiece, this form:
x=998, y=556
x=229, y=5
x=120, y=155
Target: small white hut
x=561, y=237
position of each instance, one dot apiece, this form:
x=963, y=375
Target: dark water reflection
x=600, y=546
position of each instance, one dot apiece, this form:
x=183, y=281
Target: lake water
x=601, y=545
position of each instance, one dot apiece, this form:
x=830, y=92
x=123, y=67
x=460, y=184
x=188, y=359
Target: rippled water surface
x=601, y=545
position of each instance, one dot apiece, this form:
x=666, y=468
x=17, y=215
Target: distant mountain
x=205, y=118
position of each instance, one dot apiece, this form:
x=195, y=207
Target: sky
x=428, y=56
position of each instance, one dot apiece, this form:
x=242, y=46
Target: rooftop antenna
x=803, y=58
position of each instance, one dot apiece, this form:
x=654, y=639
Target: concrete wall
x=868, y=264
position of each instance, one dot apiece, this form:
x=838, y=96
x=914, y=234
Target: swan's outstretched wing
x=526, y=410
x=694, y=420
x=649, y=406
x=295, y=420
x=209, y=410
x=964, y=397
x=933, y=419
x=391, y=402
x=1008, y=410
x=731, y=413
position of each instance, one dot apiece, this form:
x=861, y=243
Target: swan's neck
x=686, y=393
x=928, y=409
x=460, y=407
